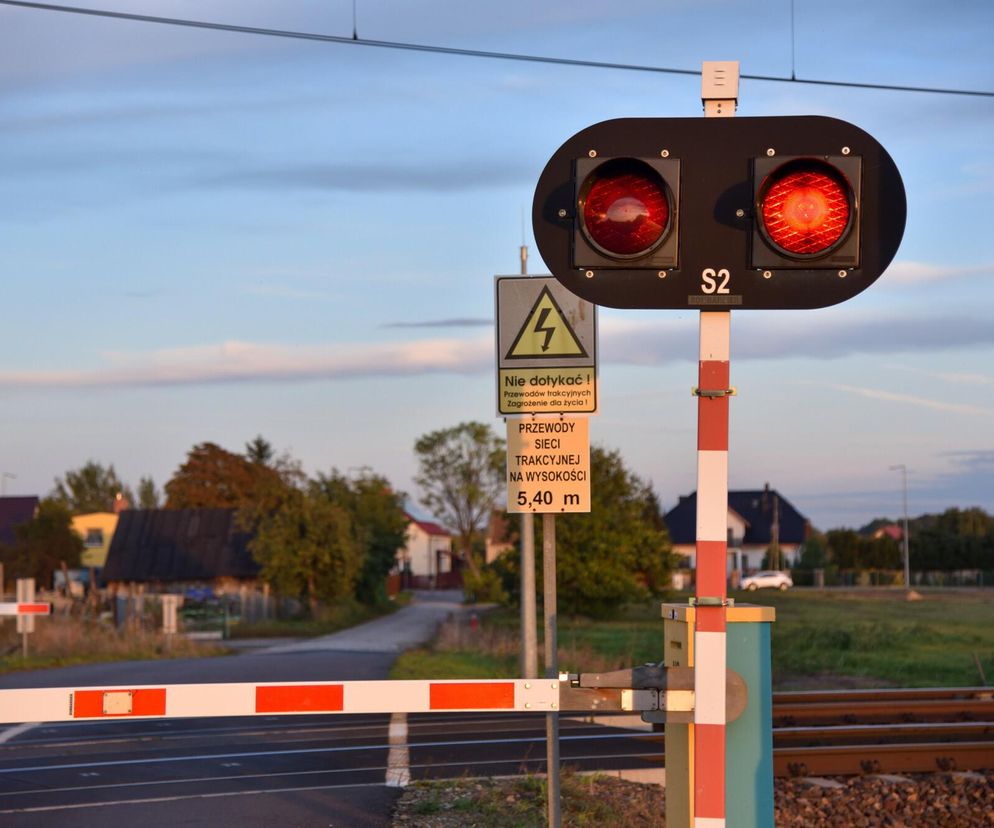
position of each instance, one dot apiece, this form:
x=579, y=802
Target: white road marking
x=398, y=759
x=13, y=732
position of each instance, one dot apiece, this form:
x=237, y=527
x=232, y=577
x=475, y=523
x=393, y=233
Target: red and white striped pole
x=719, y=92
x=711, y=548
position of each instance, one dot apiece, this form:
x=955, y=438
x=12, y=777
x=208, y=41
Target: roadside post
x=26, y=609
x=170, y=626
x=25, y=595
x=546, y=347
x=715, y=214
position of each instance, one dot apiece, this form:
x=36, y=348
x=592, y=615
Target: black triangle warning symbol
x=546, y=334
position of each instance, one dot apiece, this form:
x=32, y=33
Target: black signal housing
x=716, y=251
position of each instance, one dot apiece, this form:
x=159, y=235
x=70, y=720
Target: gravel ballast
x=947, y=800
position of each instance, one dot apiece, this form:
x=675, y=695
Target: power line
x=448, y=50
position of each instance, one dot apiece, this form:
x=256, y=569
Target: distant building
x=891, y=530
x=96, y=529
x=755, y=518
x=179, y=546
x=499, y=533
x=425, y=560
x=13, y=512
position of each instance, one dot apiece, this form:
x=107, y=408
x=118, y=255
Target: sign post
x=546, y=375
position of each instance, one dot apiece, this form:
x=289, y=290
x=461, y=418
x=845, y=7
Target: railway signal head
x=786, y=212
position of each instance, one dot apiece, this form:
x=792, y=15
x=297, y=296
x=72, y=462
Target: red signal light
x=805, y=208
x=625, y=208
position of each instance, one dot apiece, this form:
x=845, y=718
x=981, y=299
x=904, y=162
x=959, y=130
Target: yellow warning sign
x=555, y=390
x=546, y=334
x=548, y=465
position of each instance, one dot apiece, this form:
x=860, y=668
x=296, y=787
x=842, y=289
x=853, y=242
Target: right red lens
x=805, y=208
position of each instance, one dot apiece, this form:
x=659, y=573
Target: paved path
x=408, y=627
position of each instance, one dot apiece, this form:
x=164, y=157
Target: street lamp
x=904, y=491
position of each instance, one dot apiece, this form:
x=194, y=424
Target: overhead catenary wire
x=461, y=52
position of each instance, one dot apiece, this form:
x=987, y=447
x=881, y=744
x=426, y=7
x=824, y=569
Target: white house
x=757, y=519
x=426, y=555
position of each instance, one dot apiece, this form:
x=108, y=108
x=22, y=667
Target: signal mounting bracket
x=720, y=88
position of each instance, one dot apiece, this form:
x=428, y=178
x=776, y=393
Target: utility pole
x=904, y=534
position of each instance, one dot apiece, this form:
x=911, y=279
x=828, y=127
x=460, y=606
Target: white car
x=768, y=578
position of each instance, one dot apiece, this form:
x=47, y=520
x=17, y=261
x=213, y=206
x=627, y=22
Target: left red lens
x=805, y=208
x=625, y=207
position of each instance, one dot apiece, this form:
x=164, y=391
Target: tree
x=43, y=544
x=306, y=547
x=620, y=550
x=813, y=554
x=843, y=548
x=461, y=475
x=956, y=539
x=260, y=451
x=91, y=488
x=213, y=478
x=148, y=495
x=379, y=525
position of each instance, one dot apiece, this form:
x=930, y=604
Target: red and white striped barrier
x=66, y=704
x=25, y=608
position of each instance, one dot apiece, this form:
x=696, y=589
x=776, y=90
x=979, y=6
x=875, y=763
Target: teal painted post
x=749, y=739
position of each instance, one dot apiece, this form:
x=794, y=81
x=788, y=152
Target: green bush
x=487, y=587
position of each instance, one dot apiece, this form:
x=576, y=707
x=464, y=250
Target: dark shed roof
x=178, y=545
x=754, y=506
x=13, y=512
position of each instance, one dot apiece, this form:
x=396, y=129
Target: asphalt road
x=270, y=770
x=301, y=770
x=218, y=771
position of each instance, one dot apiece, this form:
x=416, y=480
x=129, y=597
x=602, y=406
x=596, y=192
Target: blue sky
x=208, y=236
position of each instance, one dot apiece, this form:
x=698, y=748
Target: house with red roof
x=425, y=560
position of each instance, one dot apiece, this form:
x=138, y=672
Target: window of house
x=94, y=537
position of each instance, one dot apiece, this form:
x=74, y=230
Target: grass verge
x=61, y=641
x=821, y=638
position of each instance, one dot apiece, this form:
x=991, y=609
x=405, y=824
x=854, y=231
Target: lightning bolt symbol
x=540, y=327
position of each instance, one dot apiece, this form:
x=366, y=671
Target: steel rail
x=866, y=712
x=849, y=760
x=933, y=732
x=882, y=694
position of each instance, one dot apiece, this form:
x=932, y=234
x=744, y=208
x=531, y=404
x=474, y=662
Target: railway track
x=836, y=733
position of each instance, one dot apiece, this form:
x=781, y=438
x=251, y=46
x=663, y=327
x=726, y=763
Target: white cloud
x=250, y=362
x=909, y=399
x=671, y=338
